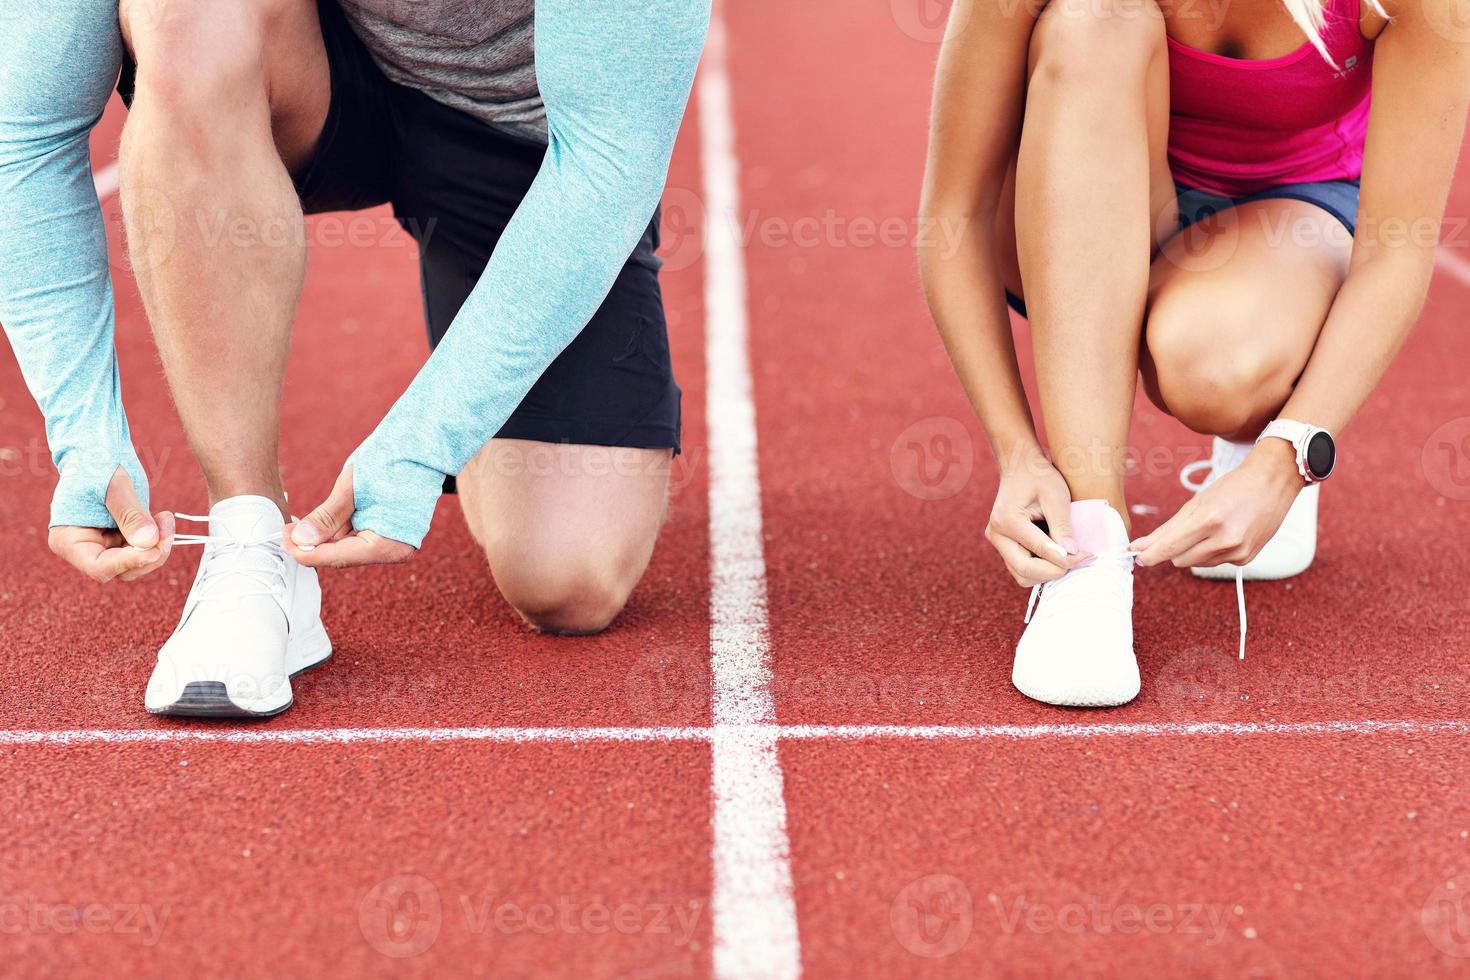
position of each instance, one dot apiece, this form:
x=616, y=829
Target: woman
x=1074, y=143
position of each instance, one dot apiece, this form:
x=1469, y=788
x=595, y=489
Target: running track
x=798, y=752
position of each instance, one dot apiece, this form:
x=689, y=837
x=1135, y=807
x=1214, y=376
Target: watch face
x=1321, y=455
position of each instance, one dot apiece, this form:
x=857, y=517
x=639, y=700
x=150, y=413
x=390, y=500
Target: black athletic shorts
x=454, y=183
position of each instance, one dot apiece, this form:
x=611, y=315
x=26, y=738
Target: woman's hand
x=1231, y=519
x=1031, y=489
x=325, y=538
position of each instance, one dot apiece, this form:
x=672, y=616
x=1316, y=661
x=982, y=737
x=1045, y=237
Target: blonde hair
x=1311, y=17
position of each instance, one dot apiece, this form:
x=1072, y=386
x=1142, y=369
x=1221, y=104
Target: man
x=548, y=155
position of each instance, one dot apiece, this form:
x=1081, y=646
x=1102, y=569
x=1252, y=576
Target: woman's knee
x=1096, y=41
x=1209, y=377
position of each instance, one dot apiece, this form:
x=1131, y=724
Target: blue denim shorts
x=1338, y=198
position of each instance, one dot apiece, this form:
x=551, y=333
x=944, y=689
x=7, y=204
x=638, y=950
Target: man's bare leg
x=231, y=97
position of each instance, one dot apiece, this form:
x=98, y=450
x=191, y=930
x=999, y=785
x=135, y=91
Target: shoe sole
x=211, y=699
x=1079, y=699
x=1226, y=573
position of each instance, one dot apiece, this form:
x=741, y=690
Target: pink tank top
x=1237, y=127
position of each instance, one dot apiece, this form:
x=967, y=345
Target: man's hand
x=1233, y=518
x=325, y=537
x=139, y=545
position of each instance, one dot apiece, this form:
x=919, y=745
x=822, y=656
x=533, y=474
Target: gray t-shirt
x=477, y=56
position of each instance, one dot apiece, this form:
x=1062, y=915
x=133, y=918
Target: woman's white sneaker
x=252, y=621
x=1290, y=550
x=1078, y=646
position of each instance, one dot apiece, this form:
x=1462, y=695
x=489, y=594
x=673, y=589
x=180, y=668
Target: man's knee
x=195, y=57
x=567, y=594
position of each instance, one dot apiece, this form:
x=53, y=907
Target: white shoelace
x=270, y=577
x=1121, y=561
x=1224, y=457
x=1124, y=560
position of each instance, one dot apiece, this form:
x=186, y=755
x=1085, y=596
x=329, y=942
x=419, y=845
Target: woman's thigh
x=1235, y=306
x=1161, y=181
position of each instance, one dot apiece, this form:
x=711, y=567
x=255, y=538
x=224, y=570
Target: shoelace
x=1221, y=460
x=267, y=578
x=1206, y=466
x=1224, y=457
x=1124, y=561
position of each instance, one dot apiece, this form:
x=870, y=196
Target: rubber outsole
x=1078, y=698
x=211, y=699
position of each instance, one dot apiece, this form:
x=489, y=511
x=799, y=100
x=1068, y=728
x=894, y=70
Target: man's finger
x=365, y=548
x=132, y=518
x=166, y=526
x=331, y=518
x=105, y=564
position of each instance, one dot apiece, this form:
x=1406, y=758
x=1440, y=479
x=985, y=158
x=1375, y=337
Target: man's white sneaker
x=1290, y=550
x=252, y=621
x=1078, y=646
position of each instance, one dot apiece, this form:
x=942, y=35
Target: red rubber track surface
x=1232, y=851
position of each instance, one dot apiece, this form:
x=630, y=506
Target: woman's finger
x=1177, y=535
x=1204, y=554
x=1056, y=507
x=1025, y=567
x=1034, y=540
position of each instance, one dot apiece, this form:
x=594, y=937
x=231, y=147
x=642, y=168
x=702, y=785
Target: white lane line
x=1454, y=263
x=105, y=181
x=752, y=907
x=753, y=735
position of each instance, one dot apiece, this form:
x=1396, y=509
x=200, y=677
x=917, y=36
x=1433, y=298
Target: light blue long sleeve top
x=615, y=76
x=58, y=63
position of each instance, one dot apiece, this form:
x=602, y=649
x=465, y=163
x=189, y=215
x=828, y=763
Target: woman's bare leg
x=1093, y=198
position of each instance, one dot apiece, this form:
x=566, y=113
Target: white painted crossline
x=345, y=736
x=752, y=907
x=756, y=738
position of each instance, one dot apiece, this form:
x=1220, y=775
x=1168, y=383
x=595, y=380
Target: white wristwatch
x=1316, y=452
